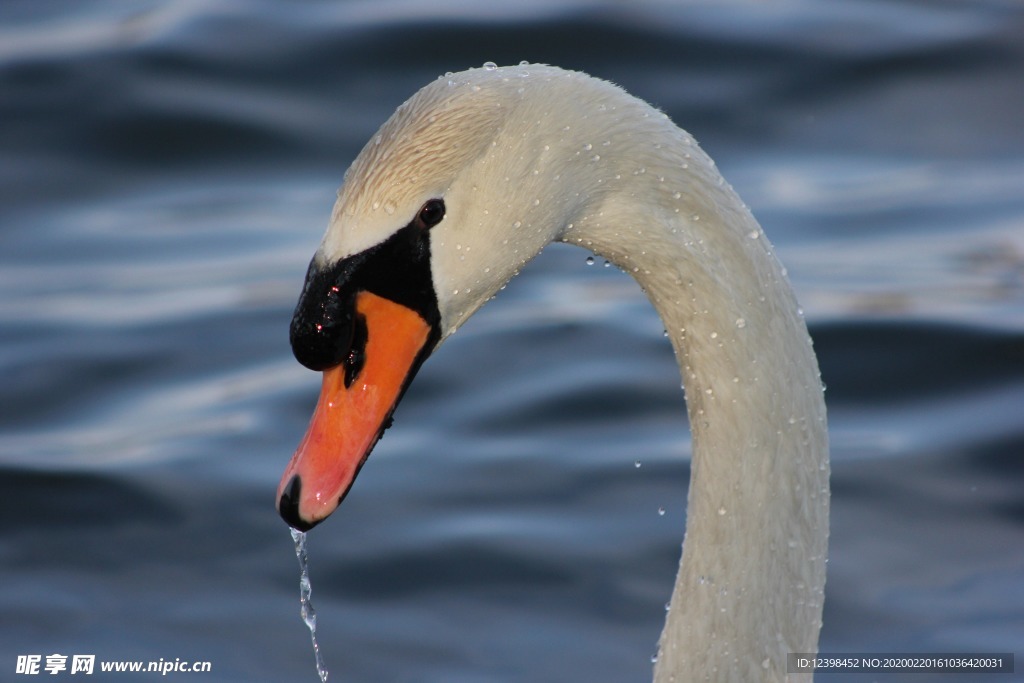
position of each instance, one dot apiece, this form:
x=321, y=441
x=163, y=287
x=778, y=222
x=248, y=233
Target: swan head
x=435, y=215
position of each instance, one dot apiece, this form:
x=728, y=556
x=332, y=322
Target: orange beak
x=350, y=418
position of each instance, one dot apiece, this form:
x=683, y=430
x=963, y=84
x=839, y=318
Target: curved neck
x=751, y=580
x=570, y=158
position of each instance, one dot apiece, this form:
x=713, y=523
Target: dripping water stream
x=306, y=599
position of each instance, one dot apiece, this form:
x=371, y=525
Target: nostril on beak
x=288, y=505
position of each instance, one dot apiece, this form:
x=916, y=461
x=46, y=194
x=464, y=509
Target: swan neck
x=751, y=579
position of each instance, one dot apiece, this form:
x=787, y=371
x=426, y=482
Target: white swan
x=469, y=180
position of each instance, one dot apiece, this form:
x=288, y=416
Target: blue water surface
x=166, y=171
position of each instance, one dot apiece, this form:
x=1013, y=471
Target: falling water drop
x=590, y=260
x=306, y=599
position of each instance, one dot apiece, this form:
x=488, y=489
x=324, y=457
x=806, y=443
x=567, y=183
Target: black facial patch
x=325, y=329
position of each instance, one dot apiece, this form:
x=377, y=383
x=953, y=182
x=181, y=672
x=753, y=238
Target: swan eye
x=431, y=214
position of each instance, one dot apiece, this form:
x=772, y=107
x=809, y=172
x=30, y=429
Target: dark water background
x=166, y=171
